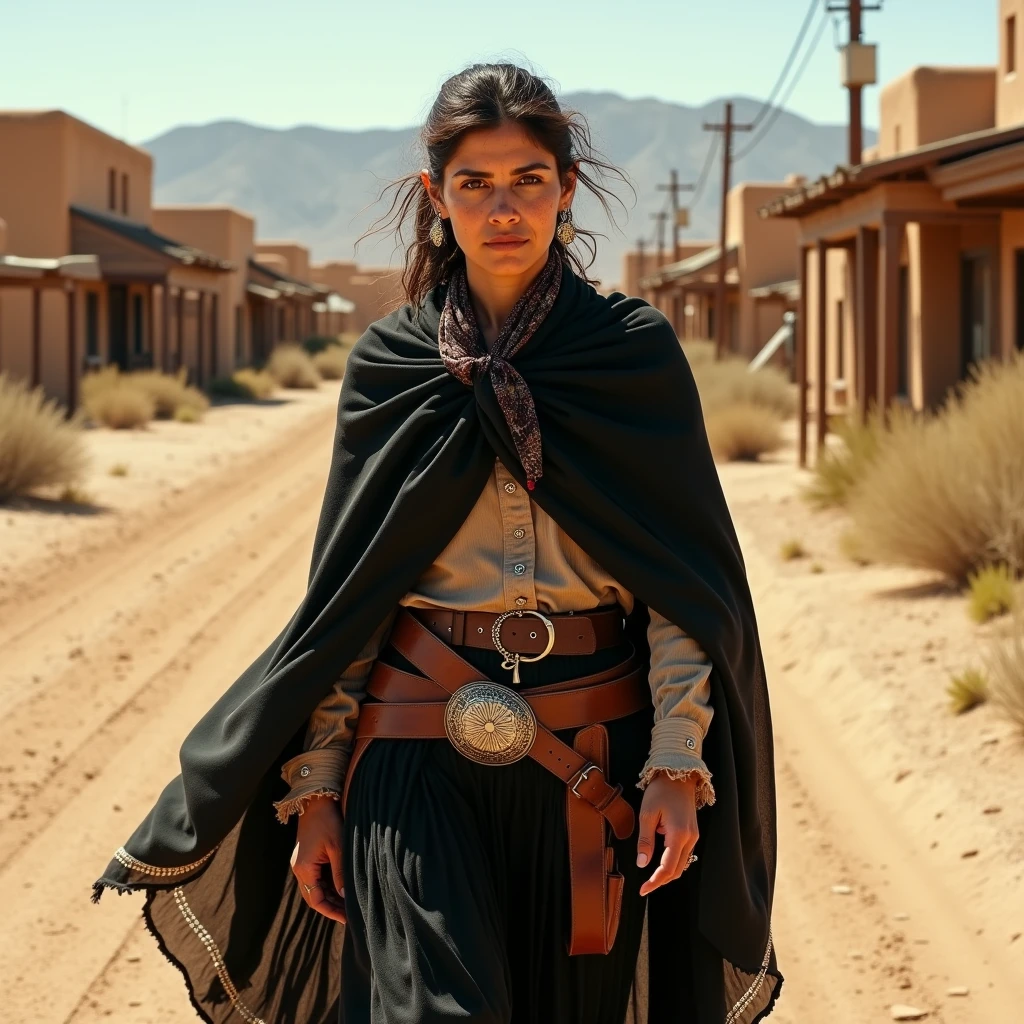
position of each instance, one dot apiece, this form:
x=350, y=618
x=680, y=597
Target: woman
x=542, y=786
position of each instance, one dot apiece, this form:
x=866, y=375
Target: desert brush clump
x=841, y=466
x=112, y=399
x=743, y=431
x=292, y=367
x=967, y=690
x=330, y=362
x=990, y=592
x=170, y=392
x=39, y=447
x=725, y=382
x=1006, y=669
x=258, y=383
x=946, y=492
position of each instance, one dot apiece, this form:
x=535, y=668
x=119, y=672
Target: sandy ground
x=117, y=629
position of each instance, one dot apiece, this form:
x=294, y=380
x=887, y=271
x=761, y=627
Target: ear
x=433, y=192
x=568, y=188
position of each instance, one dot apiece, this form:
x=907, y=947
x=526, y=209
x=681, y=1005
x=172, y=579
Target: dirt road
x=106, y=661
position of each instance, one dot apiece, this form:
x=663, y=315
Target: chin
x=509, y=263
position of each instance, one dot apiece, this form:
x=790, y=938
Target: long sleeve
x=681, y=691
x=320, y=769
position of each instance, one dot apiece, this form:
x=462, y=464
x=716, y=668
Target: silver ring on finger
x=693, y=857
x=310, y=888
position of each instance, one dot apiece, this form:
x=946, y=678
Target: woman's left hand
x=669, y=807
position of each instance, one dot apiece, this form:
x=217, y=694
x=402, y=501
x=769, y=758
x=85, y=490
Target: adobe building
x=912, y=262
x=73, y=190
x=760, y=279
x=286, y=264
x=637, y=265
x=373, y=291
x=228, y=234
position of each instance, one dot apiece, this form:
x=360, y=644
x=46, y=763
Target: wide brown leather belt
x=525, y=632
x=497, y=724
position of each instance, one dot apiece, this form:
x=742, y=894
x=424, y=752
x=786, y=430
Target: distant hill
x=319, y=185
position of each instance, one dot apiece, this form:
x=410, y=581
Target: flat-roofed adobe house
x=373, y=291
x=69, y=189
x=912, y=263
x=675, y=303
x=760, y=276
x=287, y=262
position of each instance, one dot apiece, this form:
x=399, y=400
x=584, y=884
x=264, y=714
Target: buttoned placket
x=519, y=556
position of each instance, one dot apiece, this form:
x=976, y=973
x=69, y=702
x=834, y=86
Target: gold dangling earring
x=437, y=230
x=566, y=230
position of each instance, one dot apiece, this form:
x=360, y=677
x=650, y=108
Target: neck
x=494, y=295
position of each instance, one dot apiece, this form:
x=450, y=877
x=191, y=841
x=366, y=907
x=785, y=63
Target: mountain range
x=322, y=186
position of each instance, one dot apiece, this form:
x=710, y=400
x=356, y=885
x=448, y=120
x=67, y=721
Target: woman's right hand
x=316, y=859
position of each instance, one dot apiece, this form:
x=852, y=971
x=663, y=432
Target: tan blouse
x=510, y=554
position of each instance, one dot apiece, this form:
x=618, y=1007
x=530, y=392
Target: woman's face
x=502, y=194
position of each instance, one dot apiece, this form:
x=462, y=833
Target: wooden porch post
x=181, y=328
x=37, y=337
x=889, y=309
x=200, y=337
x=72, y=294
x=214, y=332
x=866, y=317
x=165, y=324
x=151, y=321
x=821, y=371
x=801, y=356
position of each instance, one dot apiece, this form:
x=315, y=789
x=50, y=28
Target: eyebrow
x=538, y=166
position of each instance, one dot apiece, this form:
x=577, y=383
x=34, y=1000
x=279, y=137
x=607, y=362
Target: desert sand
x=901, y=827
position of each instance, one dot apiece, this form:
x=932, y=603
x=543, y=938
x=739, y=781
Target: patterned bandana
x=464, y=354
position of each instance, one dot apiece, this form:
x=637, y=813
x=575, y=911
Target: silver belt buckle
x=512, y=659
x=490, y=724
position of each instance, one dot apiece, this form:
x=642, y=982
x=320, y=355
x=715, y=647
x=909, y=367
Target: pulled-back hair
x=487, y=96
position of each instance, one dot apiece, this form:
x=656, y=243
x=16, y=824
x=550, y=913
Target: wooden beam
x=801, y=358
x=200, y=338
x=151, y=322
x=165, y=324
x=214, y=332
x=72, y=294
x=181, y=329
x=821, y=373
x=37, y=336
x=890, y=245
x=866, y=318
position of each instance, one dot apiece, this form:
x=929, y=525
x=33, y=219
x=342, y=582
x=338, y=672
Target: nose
x=503, y=210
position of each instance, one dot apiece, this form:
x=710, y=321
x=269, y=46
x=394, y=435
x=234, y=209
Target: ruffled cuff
x=318, y=772
x=676, y=750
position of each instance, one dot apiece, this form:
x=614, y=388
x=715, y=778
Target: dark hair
x=487, y=96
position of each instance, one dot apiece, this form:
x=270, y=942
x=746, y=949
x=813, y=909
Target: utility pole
x=675, y=188
x=661, y=216
x=641, y=245
x=727, y=128
x=858, y=69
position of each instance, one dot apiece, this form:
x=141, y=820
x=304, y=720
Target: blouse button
x=690, y=742
x=519, y=534
x=304, y=770
x=510, y=487
x=519, y=568
x=520, y=601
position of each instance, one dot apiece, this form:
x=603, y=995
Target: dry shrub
x=291, y=366
x=852, y=547
x=840, y=468
x=729, y=382
x=113, y=400
x=257, y=383
x=165, y=389
x=946, y=492
x=967, y=690
x=38, y=446
x=792, y=549
x=743, y=431
x=699, y=351
x=187, y=414
x=1006, y=667
x=330, y=362
x=990, y=592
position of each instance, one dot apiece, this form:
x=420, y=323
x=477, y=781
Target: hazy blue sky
x=138, y=68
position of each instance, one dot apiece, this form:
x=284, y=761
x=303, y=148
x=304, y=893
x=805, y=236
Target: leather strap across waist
x=576, y=633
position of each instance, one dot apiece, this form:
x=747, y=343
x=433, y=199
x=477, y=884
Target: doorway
x=976, y=309
x=117, y=318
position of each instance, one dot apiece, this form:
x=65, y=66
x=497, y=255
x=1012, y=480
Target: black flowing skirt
x=457, y=878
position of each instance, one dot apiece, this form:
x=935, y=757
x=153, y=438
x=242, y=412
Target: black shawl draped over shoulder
x=628, y=474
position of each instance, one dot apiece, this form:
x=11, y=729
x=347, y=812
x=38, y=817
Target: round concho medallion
x=489, y=724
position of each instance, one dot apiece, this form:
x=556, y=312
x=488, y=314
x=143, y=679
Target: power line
x=709, y=161
x=778, y=109
x=767, y=105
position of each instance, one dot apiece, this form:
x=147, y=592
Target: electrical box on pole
x=858, y=64
x=683, y=217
